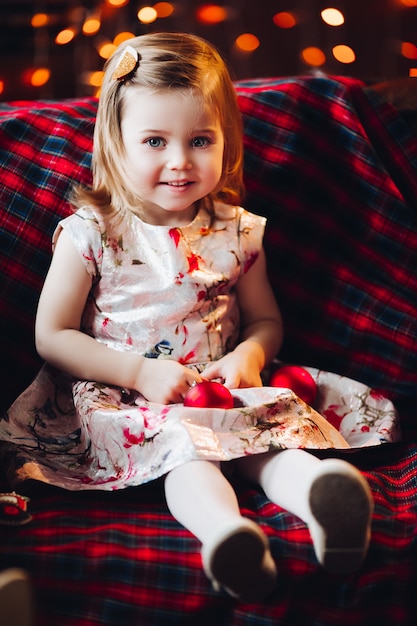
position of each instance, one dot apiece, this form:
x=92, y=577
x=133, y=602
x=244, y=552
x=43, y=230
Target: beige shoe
x=341, y=504
x=238, y=560
x=16, y=603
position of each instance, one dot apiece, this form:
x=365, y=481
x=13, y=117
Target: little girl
x=158, y=282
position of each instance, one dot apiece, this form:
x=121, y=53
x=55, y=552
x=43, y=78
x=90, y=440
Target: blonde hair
x=176, y=61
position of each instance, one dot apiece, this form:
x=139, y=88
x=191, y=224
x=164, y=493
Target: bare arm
x=60, y=341
x=261, y=331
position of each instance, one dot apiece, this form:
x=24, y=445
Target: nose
x=179, y=158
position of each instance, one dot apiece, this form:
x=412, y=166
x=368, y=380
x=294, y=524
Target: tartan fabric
x=332, y=166
x=44, y=147
x=119, y=559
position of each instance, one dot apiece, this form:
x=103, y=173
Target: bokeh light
x=378, y=41
x=313, y=56
x=39, y=20
x=164, y=9
x=65, y=36
x=284, y=19
x=91, y=25
x=247, y=42
x=96, y=78
x=117, y=3
x=123, y=36
x=409, y=50
x=36, y=77
x=147, y=15
x=211, y=14
x=332, y=17
x=344, y=54
x=106, y=49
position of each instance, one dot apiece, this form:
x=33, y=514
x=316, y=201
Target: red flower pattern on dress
x=178, y=278
x=115, y=244
x=378, y=395
x=193, y=262
x=152, y=420
x=333, y=417
x=188, y=358
x=175, y=235
x=132, y=439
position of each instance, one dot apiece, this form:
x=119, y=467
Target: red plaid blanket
x=334, y=169
x=120, y=559
x=332, y=166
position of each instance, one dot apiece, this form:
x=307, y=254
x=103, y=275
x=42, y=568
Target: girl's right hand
x=165, y=381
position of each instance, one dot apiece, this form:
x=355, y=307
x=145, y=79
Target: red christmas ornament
x=209, y=394
x=296, y=378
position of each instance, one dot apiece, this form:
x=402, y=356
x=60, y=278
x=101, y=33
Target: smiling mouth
x=178, y=183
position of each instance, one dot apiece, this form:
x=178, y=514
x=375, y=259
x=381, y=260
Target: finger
x=232, y=382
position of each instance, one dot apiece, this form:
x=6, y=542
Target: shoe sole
x=343, y=507
x=15, y=598
x=243, y=566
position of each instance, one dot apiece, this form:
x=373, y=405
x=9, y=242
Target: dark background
x=375, y=29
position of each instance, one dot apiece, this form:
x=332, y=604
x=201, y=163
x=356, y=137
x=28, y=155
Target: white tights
x=201, y=498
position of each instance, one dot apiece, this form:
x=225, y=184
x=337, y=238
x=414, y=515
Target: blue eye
x=200, y=142
x=155, y=142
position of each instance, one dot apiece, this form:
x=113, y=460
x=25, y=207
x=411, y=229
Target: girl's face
x=174, y=152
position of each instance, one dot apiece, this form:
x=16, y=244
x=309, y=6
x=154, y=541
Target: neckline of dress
x=198, y=217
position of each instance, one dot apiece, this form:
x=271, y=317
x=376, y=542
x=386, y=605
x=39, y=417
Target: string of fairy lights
x=98, y=27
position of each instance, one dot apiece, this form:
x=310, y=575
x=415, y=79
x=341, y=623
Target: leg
x=331, y=497
x=235, y=550
x=201, y=498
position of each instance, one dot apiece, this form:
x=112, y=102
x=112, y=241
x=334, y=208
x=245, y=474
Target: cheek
x=216, y=164
x=219, y=168
x=139, y=169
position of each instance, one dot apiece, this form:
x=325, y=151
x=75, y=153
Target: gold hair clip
x=127, y=63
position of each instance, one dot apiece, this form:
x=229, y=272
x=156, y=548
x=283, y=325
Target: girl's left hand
x=234, y=370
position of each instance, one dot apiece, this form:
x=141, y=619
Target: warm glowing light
x=333, y=17
x=409, y=50
x=95, y=79
x=164, y=9
x=39, y=19
x=37, y=77
x=412, y=71
x=121, y=37
x=40, y=76
x=1, y=86
x=65, y=36
x=211, y=14
x=313, y=56
x=284, y=20
x=117, y=3
x=247, y=42
x=344, y=54
x=147, y=15
x=409, y=3
x=106, y=49
x=91, y=25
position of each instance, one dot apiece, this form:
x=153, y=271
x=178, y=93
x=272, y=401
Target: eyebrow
x=198, y=131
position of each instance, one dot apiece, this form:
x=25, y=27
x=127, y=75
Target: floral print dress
x=165, y=293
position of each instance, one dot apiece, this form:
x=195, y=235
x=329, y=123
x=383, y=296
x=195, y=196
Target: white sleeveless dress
x=165, y=293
